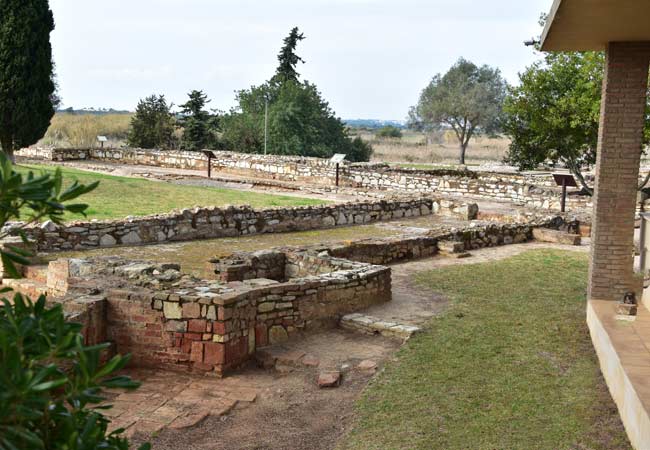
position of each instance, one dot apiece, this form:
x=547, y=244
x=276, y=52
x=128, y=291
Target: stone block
x=196, y=351
x=556, y=236
x=172, y=310
x=329, y=379
x=191, y=310
x=196, y=326
x=214, y=353
x=278, y=334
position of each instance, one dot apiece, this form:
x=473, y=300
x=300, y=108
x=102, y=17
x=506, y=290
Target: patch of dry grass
x=440, y=148
x=81, y=130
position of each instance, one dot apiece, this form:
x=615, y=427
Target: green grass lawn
x=510, y=365
x=118, y=197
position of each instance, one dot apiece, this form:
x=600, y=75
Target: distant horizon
x=127, y=111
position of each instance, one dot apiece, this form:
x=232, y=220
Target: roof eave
x=549, y=23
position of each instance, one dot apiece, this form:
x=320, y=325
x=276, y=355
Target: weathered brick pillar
x=617, y=169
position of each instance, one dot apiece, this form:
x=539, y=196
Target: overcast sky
x=369, y=58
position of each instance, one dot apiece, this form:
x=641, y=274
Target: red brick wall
x=617, y=169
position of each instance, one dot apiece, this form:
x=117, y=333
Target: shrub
x=389, y=131
x=50, y=379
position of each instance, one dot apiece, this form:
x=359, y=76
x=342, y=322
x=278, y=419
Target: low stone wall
x=277, y=264
x=206, y=223
x=532, y=190
x=537, y=191
x=276, y=167
x=297, y=261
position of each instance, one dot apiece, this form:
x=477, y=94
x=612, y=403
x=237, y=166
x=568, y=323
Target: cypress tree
x=26, y=72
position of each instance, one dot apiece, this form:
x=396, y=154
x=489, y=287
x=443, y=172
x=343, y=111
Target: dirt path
x=288, y=410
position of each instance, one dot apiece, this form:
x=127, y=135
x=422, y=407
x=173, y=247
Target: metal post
x=266, y=122
x=209, y=166
x=337, y=174
x=563, y=209
x=642, y=243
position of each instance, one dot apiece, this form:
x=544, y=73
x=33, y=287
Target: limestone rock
x=367, y=365
x=107, y=241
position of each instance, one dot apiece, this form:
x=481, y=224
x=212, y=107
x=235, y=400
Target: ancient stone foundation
x=168, y=319
x=206, y=223
x=164, y=318
x=530, y=190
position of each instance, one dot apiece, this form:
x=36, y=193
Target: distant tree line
x=298, y=121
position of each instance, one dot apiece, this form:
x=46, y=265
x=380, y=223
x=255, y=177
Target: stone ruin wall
x=168, y=319
x=204, y=325
x=532, y=190
x=537, y=191
x=214, y=222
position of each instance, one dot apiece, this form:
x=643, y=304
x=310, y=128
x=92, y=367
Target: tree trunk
x=7, y=148
x=463, y=149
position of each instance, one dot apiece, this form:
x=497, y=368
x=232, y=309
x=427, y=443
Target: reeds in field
x=81, y=130
x=438, y=148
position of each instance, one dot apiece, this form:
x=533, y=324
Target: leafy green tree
x=152, y=126
x=300, y=121
x=288, y=58
x=389, y=131
x=26, y=72
x=196, y=122
x=553, y=114
x=50, y=382
x=468, y=99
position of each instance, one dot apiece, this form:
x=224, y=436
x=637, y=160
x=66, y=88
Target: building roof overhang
x=582, y=25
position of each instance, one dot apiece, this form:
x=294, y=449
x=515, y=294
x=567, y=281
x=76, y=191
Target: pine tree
x=288, y=59
x=26, y=72
x=196, y=122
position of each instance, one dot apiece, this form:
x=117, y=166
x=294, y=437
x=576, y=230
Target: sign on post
x=101, y=140
x=337, y=159
x=209, y=154
x=564, y=180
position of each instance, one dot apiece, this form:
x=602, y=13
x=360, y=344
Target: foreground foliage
x=49, y=378
x=50, y=381
x=31, y=197
x=509, y=365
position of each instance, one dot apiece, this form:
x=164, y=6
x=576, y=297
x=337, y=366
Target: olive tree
x=467, y=99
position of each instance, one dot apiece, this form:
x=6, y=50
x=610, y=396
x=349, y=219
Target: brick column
x=617, y=169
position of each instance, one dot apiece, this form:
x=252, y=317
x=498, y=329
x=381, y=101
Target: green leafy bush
x=389, y=131
x=50, y=381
